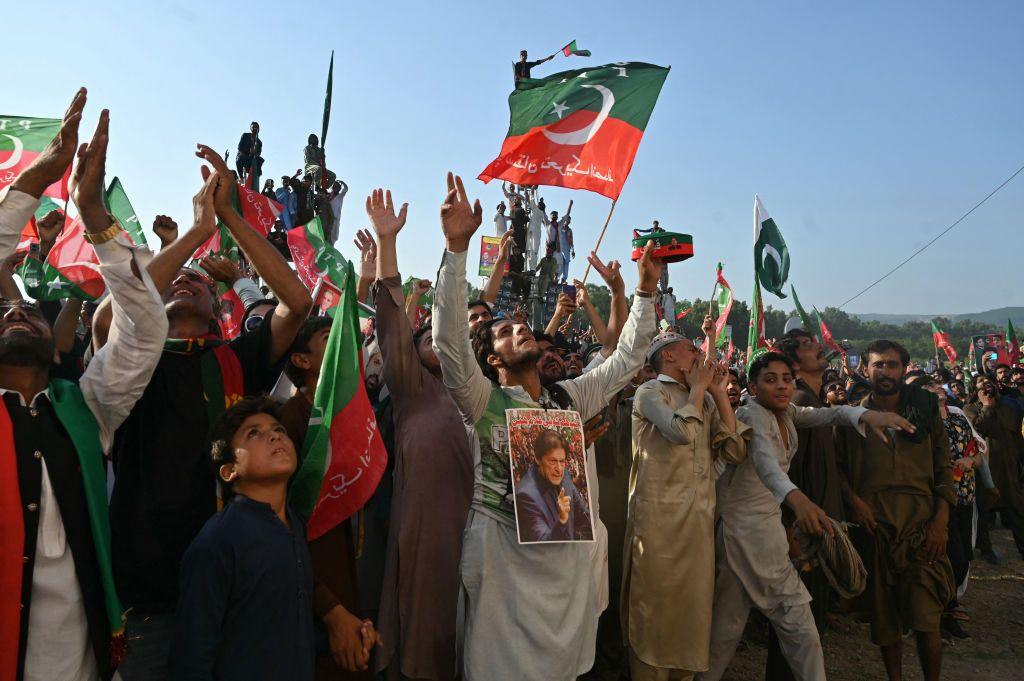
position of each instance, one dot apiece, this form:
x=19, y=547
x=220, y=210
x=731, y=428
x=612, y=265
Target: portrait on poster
x=549, y=476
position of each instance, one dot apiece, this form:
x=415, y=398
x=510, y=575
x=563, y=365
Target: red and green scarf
x=223, y=380
x=74, y=414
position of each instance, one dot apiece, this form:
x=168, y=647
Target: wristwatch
x=106, y=235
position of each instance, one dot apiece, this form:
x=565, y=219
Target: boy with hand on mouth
x=753, y=565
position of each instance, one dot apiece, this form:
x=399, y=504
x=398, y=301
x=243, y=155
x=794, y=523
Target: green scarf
x=78, y=420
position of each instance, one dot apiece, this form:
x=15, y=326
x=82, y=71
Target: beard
x=521, y=360
x=23, y=350
x=886, y=387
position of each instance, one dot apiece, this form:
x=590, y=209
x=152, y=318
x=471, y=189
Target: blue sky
x=865, y=129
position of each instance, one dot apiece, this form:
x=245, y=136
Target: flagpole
x=600, y=238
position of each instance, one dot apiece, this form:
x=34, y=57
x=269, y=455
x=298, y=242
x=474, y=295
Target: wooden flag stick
x=600, y=238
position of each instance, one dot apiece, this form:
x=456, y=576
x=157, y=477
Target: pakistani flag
x=578, y=129
x=771, y=257
x=22, y=139
x=343, y=458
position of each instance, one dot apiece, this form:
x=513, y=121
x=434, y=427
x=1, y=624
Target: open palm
x=381, y=210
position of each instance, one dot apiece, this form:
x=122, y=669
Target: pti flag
x=71, y=269
x=571, y=49
x=344, y=457
x=578, y=129
x=314, y=257
x=22, y=139
x=826, y=334
x=771, y=257
x=942, y=341
x=1012, y=343
x=724, y=302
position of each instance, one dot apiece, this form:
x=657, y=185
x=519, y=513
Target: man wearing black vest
x=60, y=617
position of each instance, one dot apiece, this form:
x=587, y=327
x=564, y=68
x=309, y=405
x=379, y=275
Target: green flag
x=121, y=207
x=771, y=256
x=327, y=102
x=804, y=318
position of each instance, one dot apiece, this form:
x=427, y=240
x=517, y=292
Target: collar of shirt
x=519, y=394
x=21, y=399
x=668, y=379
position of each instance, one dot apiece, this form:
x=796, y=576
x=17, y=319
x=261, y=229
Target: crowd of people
x=147, y=529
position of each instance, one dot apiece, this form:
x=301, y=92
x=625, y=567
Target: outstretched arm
x=490, y=293
x=294, y=302
x=462, y=375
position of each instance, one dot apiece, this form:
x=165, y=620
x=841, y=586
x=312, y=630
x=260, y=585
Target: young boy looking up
x=752, y=549
x=246, y=583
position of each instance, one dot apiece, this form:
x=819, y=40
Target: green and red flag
x=942, y=341
x=343, y=458
x=578, y=129
x=571, y=49
x=804, y=317
x=314, y=257
x=22, y=139
x=1012, y=343
x=683, y=313
x=724, y=300
x=71, y=269
x=826, y=334
x=757, y=344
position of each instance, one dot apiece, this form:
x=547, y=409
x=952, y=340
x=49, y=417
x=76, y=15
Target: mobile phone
x=569, y=290
x=854, y=361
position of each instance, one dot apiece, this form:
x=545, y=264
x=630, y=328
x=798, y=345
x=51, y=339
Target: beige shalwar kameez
x=668, y=562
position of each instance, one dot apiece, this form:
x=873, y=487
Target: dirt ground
x=995, y=603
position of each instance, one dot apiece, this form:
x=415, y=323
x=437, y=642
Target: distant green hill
x=996, y=317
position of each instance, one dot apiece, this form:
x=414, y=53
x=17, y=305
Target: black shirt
x=245, y=145
x=164, y=489
x=246, y=608
x=522, y=68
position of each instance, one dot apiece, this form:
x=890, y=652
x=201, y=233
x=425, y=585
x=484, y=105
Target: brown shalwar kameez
x=433, y=489
x=901, y=481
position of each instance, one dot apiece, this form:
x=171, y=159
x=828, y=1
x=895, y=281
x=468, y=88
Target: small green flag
x=571, y=49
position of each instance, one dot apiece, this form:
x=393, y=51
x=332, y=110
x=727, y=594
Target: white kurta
x=749, y=499
x=115, y=378
x=530, y=611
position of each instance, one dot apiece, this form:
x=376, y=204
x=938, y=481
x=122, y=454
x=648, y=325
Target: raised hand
x=564, y=504
x=87, y=188
x=50, y=165
x=421, y=287
x=504, y=246
x=649, y=268
x=221, y=269
x=165, y=229
x=368, y=254
x=564, y=307
x=582, y=297
x=225, y=188
x=459, y=218
x=381, y=211
x=202, y=208
x=50, y=227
